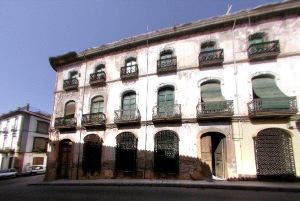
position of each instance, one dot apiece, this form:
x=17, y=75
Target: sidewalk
x=213, y=184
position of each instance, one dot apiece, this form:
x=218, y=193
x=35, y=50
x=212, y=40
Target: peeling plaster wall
x=235, y=78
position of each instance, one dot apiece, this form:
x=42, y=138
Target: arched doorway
x=274, y=153
x=126, y=152
x=166, y=153
x=91, y=154
x=213, y=153
x=65, y=158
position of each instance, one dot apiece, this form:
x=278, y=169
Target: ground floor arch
x=166, y=152
x=213, y=153
x=65, y=158
x=126, y=152
x=91, y=159
x=274, y=153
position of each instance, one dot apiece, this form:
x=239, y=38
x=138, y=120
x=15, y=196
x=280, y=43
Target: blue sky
x=33, y=30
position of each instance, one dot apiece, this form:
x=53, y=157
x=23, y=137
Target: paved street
x=17, y=189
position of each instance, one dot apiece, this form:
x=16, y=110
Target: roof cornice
x=270, y=10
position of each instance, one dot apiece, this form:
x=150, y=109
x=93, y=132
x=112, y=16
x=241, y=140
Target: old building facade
x=23, y=139
x=213, y=97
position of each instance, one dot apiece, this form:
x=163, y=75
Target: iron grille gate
x=126, y=152
x=91, y=154
x=274, y=154
x=166, y=153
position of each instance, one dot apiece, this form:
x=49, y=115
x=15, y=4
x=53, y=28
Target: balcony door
x=129, y=105
x=70, y=109
x=130, y=65
x=97, y=105
x=166, y=101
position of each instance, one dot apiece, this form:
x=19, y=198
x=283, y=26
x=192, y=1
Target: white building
x=23, y=139
x=216, y=96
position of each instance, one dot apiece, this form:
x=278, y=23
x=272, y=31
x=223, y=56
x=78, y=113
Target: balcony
x=211, y=57
x=167, y=65
x=93, y=120
x=65, y=123
x=129, y=72
x=127, y=117
x=280, y=107
x=265, y=50
x=213, y=110
x=166, y=113
x=70, y=84
x=98, y=79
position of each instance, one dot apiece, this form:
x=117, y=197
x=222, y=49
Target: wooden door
x=65, y=163
x=219, y=159
x=206, y=150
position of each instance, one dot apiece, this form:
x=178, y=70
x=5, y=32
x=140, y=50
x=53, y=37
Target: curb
x=202, y=186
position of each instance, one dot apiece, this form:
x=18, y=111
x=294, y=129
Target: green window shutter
x=97, y=105
x=70, y=109
x=211, y=94
x=166, y=100
x=272, y=97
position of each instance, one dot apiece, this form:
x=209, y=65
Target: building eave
x=225, y=21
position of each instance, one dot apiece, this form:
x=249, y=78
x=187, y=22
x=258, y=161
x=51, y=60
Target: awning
x=211, y=92
x=212, y=96
x=272, y=97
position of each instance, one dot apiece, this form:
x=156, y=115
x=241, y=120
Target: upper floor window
x=42, y=127
x=208, y=46
x=261, y=48
x=257, y=38
x=130, y=70
x=211, y=91
x=167, y=62
x=130, y=65
x=99, y=68
x=72, y=82
x=70, y=108
x=97, y=104
x=210, y=54
x=99, y=76
x=39, y=144
x=166, y=96
x=129, y=101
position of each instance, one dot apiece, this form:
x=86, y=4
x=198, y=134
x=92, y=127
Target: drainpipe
x=80, y=132
x=146, y=127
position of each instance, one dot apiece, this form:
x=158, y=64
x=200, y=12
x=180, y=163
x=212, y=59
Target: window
x=38, y=161
x=70, y=109
x=208, y=46
x=73, y=74
x=257, y=38
x=99, y=68
x=42, y=127
x=166, y=100
x=211, y=95
x=265, y=88
x=39, y=144
x=129, y=105
x=130, y=65
x=166, y=153
x=166, y=58
x=97, y=104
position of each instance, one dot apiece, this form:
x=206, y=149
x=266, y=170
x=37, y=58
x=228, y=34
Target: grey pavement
x=209, y=184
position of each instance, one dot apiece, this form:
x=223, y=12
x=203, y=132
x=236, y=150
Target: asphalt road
x=18, y=189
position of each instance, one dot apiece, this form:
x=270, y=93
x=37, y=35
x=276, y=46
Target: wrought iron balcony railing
x=264, y=50
x=70, y=84
x=285, y=106
x=167, y=65
x=216, y=109
x=129, y=72
x=130, y=116
x=211, y=57
x=93, y=119
x=65, y=122
x=166, y=113
x=98, y=78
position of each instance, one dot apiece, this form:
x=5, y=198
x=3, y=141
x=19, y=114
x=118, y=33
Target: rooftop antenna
x=229, y=6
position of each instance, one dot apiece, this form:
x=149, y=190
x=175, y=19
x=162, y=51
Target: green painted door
x=166, y=101
x=129, y=106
